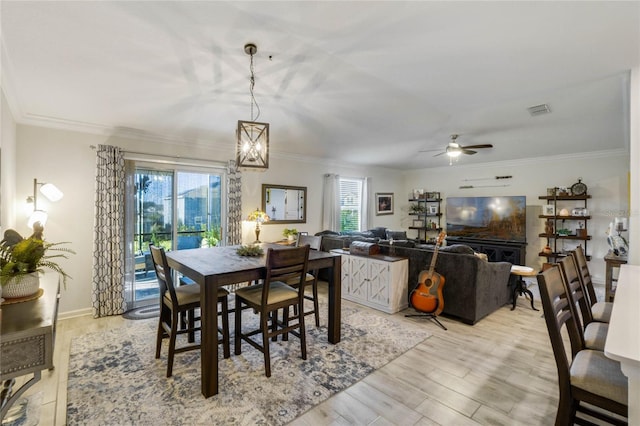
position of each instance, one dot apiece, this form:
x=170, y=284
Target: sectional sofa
x=473, y=287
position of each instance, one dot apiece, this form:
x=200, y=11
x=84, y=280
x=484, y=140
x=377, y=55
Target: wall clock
x=578, y=188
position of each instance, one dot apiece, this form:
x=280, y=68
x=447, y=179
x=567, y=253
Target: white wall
x=7, y=164
x=66, y=159
x=604, y=174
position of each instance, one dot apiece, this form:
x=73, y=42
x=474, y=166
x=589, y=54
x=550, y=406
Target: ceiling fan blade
x=486, y=145
x=442, y=153
x=468, y=151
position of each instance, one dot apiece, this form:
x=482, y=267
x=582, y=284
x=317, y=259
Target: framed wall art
x=384, y=203
x=549, y=210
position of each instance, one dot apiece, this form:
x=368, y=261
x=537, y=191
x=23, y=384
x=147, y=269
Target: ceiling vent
x=539, y=110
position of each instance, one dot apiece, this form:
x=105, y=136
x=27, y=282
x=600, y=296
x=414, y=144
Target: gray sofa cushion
x=396, y=235
x=458, y=248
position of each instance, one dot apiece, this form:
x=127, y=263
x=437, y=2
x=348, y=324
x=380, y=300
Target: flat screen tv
x=487, y=218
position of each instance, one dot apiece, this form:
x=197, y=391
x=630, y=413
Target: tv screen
x=487, y=218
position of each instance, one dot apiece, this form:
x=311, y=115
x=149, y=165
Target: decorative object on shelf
x=290, y=234
x=563, y=191
x=547, y=249
x=418, y=223
x=581, y=231
x=22, y=259
x=250, y=251
x=564, y=232
x=551, y=192
x=620, y=224
x=579, y=188
x=549, y=210
x=384, y=203
x=418, y=193
x=258, y=217
x=563, y=212
x=433, y=209
x=548, y=227
x=252, y=148
x=417, y=208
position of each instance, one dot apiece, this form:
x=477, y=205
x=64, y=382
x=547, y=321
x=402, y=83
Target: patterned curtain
x=234, y=204
x=108, y=246
x=331, y=203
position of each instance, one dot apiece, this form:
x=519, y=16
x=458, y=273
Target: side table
x=519, y=286
x=611, y=261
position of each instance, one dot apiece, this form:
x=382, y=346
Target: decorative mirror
x=284, y=204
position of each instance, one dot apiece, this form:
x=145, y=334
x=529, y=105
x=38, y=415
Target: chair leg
x=274, y=324
x=226, y=347
x=191, y=324
x=316, y=309
x=238, y=325
x=159, y=337
x=264, y=326
x=303, y=335
x=172, y=342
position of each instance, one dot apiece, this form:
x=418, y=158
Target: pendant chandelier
x=252, y=148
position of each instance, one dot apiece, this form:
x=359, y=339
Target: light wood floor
x=498, y=372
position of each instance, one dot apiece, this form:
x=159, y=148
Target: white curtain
x=367, y=215
x=234, y=204
x=331, y=203
x=108, y=295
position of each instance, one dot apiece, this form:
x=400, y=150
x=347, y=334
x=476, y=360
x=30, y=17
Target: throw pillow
x=379, y=232
x=458, y=248
x=482, y=256
x=396, y=235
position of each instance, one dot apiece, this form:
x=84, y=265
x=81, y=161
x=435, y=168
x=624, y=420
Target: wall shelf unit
x=426, y=213
x=564, y=213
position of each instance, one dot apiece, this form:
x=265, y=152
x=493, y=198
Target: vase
x=291, y=237
x=27, y=285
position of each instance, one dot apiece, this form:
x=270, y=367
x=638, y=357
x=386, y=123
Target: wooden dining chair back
x=176, y=301
x=594, y=333
x=314, y=242
x=586, y=376
x=283, y=265
x=601, y=311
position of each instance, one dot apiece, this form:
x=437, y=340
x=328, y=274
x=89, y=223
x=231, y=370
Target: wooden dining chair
x=586, y=375
x=271, y=295
x=593, y=333
x=175, y=301
x=601, y=310
x=314, y=242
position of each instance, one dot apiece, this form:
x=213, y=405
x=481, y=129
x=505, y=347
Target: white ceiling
x=364, y=82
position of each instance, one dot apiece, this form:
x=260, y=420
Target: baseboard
x=75, y=314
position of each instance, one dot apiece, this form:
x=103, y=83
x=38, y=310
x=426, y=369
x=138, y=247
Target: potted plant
x=22, y=259
x=290, y=234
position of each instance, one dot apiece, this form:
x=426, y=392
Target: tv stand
x=513, y=252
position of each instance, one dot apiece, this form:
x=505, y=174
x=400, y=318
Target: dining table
x=215, y=267
x=623, y=336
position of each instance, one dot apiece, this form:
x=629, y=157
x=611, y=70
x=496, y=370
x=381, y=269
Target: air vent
x=539, y=110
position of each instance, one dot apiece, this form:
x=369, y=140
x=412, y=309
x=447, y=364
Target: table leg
x=608, y=282
x=335, y=300
x=209, y=337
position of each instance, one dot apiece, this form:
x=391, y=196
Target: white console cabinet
x=377, y=281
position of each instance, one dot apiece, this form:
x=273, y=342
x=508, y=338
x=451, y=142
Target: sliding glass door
x=175, y=209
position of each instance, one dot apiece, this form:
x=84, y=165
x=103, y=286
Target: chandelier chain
x=252, y=82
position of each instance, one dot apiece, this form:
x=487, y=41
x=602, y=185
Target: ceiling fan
x=454, y=149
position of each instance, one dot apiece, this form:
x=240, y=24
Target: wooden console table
x=27, y=333
x=612, y=261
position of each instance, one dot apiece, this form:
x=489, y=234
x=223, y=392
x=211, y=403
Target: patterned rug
x=115, y=379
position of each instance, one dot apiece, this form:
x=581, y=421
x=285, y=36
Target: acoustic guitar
x=427, y=296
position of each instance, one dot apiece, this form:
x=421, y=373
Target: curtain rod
x=176, y=157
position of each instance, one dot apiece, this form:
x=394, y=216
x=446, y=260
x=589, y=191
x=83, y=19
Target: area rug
x=143, y=312
x=114, y=378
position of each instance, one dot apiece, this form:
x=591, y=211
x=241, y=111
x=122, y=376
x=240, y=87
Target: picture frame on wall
x=549, y=210
x=384, y=203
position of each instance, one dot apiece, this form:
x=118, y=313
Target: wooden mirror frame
x=268, y=209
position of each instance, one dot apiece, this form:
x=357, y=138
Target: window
x=351, y=196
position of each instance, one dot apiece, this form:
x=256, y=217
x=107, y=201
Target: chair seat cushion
x=593, y=372
x=601, y=311
x=278, y=292
x=595, y=335
x=187, y=294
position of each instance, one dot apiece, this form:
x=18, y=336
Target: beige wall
x=7, y=164
x=605, y=176
x=66, y=159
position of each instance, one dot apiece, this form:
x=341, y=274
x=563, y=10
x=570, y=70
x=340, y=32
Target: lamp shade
x=50, y=191
x=37, y=216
